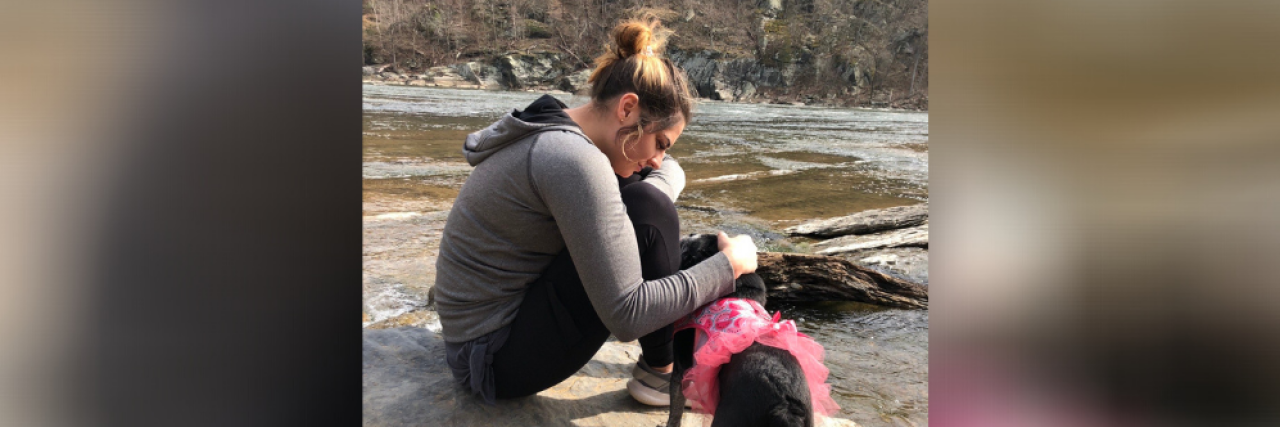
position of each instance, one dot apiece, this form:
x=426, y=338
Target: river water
x=752, y=169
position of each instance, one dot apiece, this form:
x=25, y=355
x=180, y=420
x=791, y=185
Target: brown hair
x=631, y=64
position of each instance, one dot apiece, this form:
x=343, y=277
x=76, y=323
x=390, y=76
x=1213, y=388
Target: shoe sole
x=649, y=396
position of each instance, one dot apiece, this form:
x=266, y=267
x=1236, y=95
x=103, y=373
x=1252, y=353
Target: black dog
x=762, y=385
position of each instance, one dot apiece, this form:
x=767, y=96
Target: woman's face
x=648, y=150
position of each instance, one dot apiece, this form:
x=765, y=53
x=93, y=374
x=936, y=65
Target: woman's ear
x=628, y=109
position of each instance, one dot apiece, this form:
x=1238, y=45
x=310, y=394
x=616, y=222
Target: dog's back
x=763, y=386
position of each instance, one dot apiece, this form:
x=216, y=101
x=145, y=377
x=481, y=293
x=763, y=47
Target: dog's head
x=695, y=248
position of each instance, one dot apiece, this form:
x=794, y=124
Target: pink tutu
x=728, y=326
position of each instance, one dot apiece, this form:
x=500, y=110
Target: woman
x=539, y=260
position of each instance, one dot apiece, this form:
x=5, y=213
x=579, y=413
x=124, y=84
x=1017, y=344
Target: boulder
x=746, y=91
x=575, y=82
x=865, y=222
x=723, y=94
x=406, y=383
x=520, y=71
x=477, y=74
x=908, y=262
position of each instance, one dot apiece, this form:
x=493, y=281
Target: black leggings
x=556, y=331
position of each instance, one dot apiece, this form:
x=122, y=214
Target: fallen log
x=804, y=277
x=913, y=237
x=865, y=222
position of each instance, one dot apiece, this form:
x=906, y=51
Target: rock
x=719, y=78
x=576, y=82
x=836, y=422
x=804, y=277
x=909, y=262
x=880, y=259
x=449, y=76
x=435, y=72
x=418, y=83
x=406, y=383
x=529, y=70
x=747, y=91
x=369, y=70
x=865, y=222
x=914, y=237
x=475, y=74
x=722, y=95
x=390, y=76
x=428, y=319
x=702, y=68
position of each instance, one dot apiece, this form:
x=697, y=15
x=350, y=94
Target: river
x=752, y=169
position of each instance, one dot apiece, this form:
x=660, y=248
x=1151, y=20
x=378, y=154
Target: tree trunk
x=803, y=277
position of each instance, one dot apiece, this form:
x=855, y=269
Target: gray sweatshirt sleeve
x=669, y=178
x=576, y=183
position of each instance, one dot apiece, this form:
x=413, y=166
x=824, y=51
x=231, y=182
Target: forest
x=854, y=52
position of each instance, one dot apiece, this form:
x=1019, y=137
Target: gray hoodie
x=539, y=187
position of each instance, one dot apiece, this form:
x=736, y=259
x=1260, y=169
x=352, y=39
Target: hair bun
x=636, y=36
x=632, y=38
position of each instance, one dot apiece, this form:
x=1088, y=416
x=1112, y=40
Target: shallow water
x=752, y=169
x=878, y=357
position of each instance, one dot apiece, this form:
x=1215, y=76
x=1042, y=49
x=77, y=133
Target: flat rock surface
x=913, y=237
x=908, y=262
x=865, y=222
x=406, y=383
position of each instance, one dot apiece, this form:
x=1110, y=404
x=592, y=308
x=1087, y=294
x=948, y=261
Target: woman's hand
x=741, y=252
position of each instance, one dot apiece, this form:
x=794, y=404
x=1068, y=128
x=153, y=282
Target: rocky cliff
x=713, y=74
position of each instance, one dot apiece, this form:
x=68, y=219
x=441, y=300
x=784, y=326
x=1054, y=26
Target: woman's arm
x=577, y=185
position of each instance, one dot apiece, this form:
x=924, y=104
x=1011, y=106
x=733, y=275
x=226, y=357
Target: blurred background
x=182, y=213
x=1105, y=185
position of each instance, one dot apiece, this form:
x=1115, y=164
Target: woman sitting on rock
x=540, y=261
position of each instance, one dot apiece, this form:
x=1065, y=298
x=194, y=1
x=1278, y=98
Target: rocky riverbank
x=406, y=383
x=893, y=240
x=714, y=75
x=406, y=380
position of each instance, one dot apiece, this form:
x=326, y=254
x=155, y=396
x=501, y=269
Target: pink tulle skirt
x=727, y=327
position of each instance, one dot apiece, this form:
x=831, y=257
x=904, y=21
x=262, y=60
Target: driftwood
x=803, y=277
x=914, y=237
x=865, y=222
